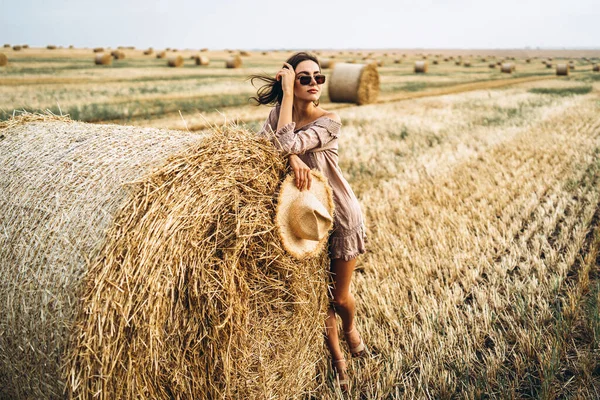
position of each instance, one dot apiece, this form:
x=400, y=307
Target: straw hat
x=304, y=218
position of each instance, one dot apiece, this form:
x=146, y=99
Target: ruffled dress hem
x=348, y=245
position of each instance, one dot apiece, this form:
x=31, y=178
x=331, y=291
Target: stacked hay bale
x=3, y=60
x=562, y=69
x=175, y=283
x=103, y=59
x=421, y=67
x=202, y=60
x=176, y=61
x=234, y=62
x=354, y=83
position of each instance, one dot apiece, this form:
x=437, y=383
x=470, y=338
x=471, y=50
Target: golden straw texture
x=3, y=60
x=354, y=83
x=173, y=285
x=103, y=59
x=562, y=69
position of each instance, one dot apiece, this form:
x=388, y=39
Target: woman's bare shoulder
x=333, y=116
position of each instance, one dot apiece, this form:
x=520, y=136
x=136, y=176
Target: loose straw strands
x=175, y=283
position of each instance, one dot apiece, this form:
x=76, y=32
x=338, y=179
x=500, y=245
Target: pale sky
x=295, y=24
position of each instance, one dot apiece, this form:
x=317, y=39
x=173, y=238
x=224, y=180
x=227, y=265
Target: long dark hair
x=271, y=93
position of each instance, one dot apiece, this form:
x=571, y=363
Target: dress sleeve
x=321, y=132
x=270, y=125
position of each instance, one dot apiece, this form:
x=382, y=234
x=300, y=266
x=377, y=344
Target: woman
x=308, y=136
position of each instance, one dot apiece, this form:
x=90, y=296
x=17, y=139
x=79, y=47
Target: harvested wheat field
x=480, y=190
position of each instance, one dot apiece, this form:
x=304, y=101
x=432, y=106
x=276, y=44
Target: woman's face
x=312, y=91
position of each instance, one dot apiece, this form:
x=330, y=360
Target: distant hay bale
x=161, y=54
x=233, y=62
x=398, y=61
x=118, y=54
x=562, y=69
x=176, y=61
x=508, y=68
x=467, y=63
x=264, y=53
x=351, y=61
x=528, y=61
x=71, y=46
x=103, y=59
x=25, y=46
x=458, y=62
x=51, y=47
x=435, y=62
x=17, y=48
x=244, y=53
x=202, y=60
x=326, y=63
x=204, y=49
x=142, y=263
x=3, y=60
x=492, y=65
x=572, y=65
x=99, y=50
x=421, y=66
x=484, y=59
x=6, y=46
x=354, y=83
x=548, y=65
x=149, y=51
x=596, y=68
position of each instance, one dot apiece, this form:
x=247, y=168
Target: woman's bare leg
x=344, y=305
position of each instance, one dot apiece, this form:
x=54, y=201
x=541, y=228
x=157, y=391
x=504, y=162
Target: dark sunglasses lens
x=320, y=79
x=305, y=80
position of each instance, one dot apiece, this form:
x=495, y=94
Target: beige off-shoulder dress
x=317, y=146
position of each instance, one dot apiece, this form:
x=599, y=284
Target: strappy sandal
x=360, y=350
x=344, y=383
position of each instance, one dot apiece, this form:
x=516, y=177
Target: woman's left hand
x=301, y=172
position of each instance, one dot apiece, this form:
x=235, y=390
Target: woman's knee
x=341, y=300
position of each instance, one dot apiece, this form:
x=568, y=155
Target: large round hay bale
x=3, y=60
x=421, y=66
x=507, y=68
x=234, y=62
x=202, y=60
x=327, y=63
x=173, y=283
x=176, y=61
x=103, y=59
x=118, y=54
x=562, y=69
x=596, y=68
x=354, y=83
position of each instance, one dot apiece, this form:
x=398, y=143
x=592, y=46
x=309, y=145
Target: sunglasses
x=307, y=79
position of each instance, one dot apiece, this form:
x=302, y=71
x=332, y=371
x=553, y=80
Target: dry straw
x=234, y=62
x=562, y=69
x=354, y=83
x=202, y=60
x=174, y=285
x=3, y=60
x=176, y=61
x=103, y=59
x=421, y=67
